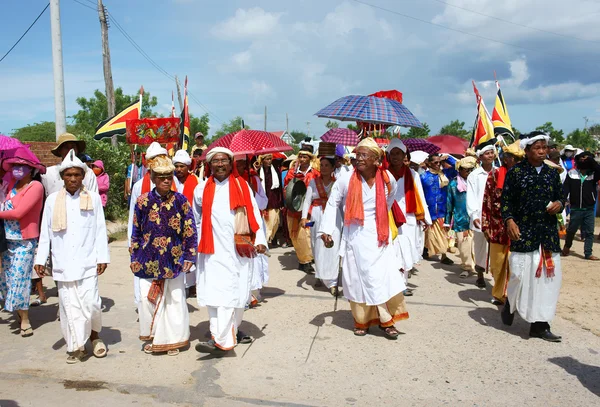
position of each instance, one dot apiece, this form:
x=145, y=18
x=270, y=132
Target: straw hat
x=65, y=138
x=326, y=149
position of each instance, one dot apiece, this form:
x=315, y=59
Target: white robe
x=53, y=182
x=410, y=239
x=260, y=269
x=223, y=279
x=370, y=272
x=326, y=260
x=190, y=278
x=475, y=191
x=533, y=298
x=76, y=252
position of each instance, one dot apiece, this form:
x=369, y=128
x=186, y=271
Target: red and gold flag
x=500, y=118
x=118, y=123
x=483, y=130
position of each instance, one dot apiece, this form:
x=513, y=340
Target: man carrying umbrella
x=301, y=171
x=270, y=179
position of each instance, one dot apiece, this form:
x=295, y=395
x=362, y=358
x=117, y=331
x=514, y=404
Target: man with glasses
x=486, y=153
x=435, y=186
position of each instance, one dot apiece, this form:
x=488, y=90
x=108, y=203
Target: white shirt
x=223, y=278
x=475, y=190
x=78, y=250
x=411, y=219
x=339, y=172
x=53, y=182
x=136, y=191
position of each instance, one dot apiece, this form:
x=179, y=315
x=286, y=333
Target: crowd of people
x=202, y=226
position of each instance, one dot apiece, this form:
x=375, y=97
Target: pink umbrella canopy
x=9, y=143
x=250, y=142
x=342, y=136
x=22, y=156
x=450, y=144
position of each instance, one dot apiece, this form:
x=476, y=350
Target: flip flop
x=360, y=331
x=464, y=274
x=37, y=302
x=99, y=348
x=27, y=332
x=148, y=349
x=173, y=352
x=76, y=357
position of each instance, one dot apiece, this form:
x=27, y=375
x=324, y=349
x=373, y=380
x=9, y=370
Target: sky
x=296, y=57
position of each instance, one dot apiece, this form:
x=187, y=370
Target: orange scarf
x=239, y=196
x=355, y=210
x=413, y=199
x=188, y=187
x=146, y=183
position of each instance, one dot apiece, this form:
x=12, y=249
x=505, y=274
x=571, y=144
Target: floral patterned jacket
x=491, y=212
x=164, y=235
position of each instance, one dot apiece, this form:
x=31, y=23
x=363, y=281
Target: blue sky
x=296, y=57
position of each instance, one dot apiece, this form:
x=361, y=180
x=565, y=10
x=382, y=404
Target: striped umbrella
x=342, y=136
x=419, y=144
x=370, y=109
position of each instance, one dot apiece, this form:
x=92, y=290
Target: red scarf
x=355, y=210
x=252, y=179
x=545, y=259
x=188, y=187
x=501, y=177
x=239, y=196
x=146, y=183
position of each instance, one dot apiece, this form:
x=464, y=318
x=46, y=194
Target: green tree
x=415, y=132
x=199, y=124
x=93, y=110
x=44, y=131
x=354, y=127
x=298, y=136
x=234, y=125
x=456, y=128
x=582, y=139
x=555, y=134
x=332, y=124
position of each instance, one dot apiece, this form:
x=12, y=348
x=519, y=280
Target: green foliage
x=353, y=127
x=44, y=131
x=582, y=139
x=456, y=128
x=516, y=132
x=415, y=132
x=234, y=125
x=199, y=124
x=116, y=160
x=298, y=136
x=93, y=110
x=555, y=134
x=332, y=124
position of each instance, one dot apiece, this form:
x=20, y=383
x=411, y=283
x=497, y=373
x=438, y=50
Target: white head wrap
x=182, y=157
x=72, y=161
x=371, y=145
x=396, y=143
x=210, y=155
x=154, y=150
x=418, y=157
x=484, y=149
x=533, y=138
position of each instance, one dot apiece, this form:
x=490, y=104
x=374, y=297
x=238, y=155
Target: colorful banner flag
x=118, y=123
x=483, y=130
x=163, y=130
x=185, y=121
x=500, y=118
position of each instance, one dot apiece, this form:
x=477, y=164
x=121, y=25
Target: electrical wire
x=25, y=33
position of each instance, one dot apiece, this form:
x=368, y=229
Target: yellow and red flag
x=185, y=121
x=118, y=123
x=500, y=118
x=483, y=130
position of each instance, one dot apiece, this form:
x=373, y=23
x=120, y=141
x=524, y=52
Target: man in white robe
x=486, y=153
x=142, y=186
x=52, y=180
x=225, y=208
x=371, y=278
x=73, y=223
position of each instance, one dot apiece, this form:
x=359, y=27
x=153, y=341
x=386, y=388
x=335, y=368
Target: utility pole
x=108, y=80
x=585, y=118
x=57, y=69
x=308, y=125
x=265, y=118
x=287, y=124
x=179, y=99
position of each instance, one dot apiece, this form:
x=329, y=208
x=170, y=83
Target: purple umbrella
x=370, y=109
x=346, y=137
x=419, y=144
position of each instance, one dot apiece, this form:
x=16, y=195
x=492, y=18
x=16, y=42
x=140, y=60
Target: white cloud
x=247, y=25
x=242, y=60
x=261, y=90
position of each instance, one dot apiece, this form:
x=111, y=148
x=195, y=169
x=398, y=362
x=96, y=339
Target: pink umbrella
x=22, y=156
x=250, y=142
x=342, y=136
x=9, y=143
x=450, y=144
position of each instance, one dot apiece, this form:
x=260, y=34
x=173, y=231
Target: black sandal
x=390, y=332
x=360, y=331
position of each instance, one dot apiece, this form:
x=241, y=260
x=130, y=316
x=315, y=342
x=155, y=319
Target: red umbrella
x=343, y=136
x=250, y=142
x=450, y=144
x=388, y=94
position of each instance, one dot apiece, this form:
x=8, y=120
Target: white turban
x=371, y=145
x=72, y=161
x=418, y=157
x=482, y=150
x=154, y=150
x=182, y=157
x=397, y=143
x=531, y=138
x=217, y=150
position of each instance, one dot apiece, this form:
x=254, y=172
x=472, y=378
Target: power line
x=85, y=5
x=453, y=29
x=19, y=40
x=516, y=24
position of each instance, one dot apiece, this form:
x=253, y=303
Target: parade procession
x=149, y=256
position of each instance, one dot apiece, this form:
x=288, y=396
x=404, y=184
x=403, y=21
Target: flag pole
x=141, y=98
